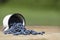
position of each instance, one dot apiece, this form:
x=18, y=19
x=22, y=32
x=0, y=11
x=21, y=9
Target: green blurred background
x=36, y=12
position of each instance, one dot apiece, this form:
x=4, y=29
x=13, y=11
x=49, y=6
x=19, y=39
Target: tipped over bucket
x=11, y=18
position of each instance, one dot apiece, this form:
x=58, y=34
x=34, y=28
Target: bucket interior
x=16, y=18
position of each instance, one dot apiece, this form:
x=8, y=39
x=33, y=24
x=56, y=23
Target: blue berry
x=18, y=29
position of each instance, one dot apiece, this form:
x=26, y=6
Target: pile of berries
x=19, y=29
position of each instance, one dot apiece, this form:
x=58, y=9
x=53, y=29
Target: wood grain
x=51, y=33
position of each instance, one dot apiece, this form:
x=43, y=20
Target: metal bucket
x=11, y=18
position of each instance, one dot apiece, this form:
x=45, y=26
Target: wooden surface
x=51, y=33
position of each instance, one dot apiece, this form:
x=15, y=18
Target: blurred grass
x=36, y=12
